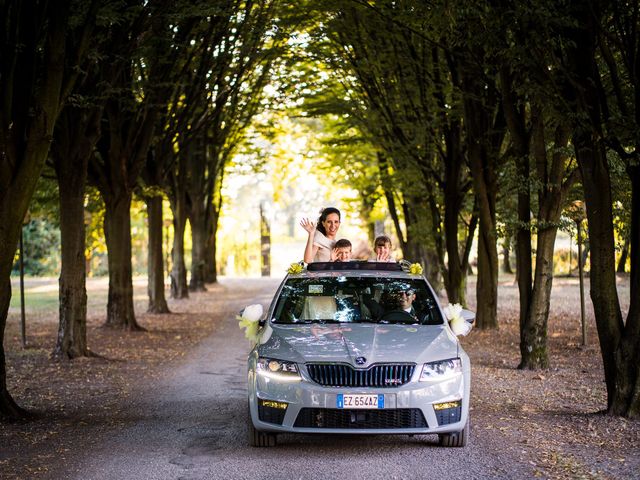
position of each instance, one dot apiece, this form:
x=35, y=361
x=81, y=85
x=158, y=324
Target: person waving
x=322, y=235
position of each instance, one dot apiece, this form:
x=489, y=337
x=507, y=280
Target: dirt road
x=192, y=426
x=185, y=417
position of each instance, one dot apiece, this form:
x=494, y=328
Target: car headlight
x=441, y=370
x=278, y=369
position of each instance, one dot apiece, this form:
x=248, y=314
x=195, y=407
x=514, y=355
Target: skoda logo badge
x=361, y=360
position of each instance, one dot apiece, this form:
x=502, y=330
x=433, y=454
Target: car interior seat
x=319, y=308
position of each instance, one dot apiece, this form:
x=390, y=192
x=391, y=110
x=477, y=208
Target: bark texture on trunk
x=155, y=262
x=533, y=332
x=622, y=262
x=179, y=287
x=178, y=202
x=72, y=327
x=485, y=131
x=604, y=295
x=14, y=201
x=9, y=409
x=42, y=65
x=198, y=249
x=211, y=263
x=619, y=340
x=76, y=134
x=487, y=287
x=506, y=256
x=455, y=274
x=626, y=399
x=555, y=177
x=117, y=231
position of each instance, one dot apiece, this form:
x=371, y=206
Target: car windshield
x=345, y=299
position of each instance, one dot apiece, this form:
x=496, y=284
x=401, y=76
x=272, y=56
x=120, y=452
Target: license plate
x=360, y=401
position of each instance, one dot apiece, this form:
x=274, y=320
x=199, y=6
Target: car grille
x=360, y=419
x=341, y=375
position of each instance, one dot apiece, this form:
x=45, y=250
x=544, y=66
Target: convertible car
x=358, y=348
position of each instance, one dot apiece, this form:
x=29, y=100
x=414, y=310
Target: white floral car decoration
x=249, y=320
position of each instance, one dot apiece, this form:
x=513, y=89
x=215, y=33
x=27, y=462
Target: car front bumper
x=306, y=407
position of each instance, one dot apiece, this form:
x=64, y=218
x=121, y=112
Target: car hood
x=346, y=342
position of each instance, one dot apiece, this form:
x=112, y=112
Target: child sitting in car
x=341, y=251
x=382, y=250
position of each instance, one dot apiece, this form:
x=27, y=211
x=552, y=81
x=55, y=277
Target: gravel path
x=191, y=425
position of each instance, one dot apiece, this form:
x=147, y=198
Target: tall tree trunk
x=487, y=286
x=23, y=158
x=178, y=201
x=622, y=262
x=41, y=64
x=484, y=135
x=8, y=407
x=604, y=295
x=596, y=181
x=455, y=279
x=201, y=172
x=199, y=239
x=626, y=399
x=76, y=134
x=619, y=340
x=551, y=170
x=506, y=255
x=516, y=117
x=179, y=287
x=155, y=263
x=533, y=331
x=117, y=231
x=72, y=328
x=211, y=265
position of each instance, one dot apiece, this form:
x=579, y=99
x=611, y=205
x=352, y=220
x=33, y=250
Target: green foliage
x=41, y=243
x=45, y=202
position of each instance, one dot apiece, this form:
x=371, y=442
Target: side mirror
x=468, y=315
x=461, y=320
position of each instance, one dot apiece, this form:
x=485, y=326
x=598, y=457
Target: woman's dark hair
x=323, y=216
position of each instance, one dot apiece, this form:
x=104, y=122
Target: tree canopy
x=465, y=123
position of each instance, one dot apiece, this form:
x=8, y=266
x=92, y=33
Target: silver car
x=358, y=347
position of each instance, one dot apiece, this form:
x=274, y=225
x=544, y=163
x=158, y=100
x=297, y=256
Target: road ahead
x=192, y=425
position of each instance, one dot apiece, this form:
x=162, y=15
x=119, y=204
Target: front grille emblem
x=361, y=360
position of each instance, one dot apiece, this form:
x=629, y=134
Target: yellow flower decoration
x=250, y=329
x=250, y=321
x=294, y=268
x=415, y=269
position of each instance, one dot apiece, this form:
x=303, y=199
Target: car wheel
x=258, y=438
x=455, y=439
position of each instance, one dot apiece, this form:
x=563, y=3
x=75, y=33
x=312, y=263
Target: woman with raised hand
x=322, y=235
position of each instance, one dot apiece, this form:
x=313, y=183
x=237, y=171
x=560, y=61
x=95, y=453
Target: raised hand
x=308, y=225
x=383, y=256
